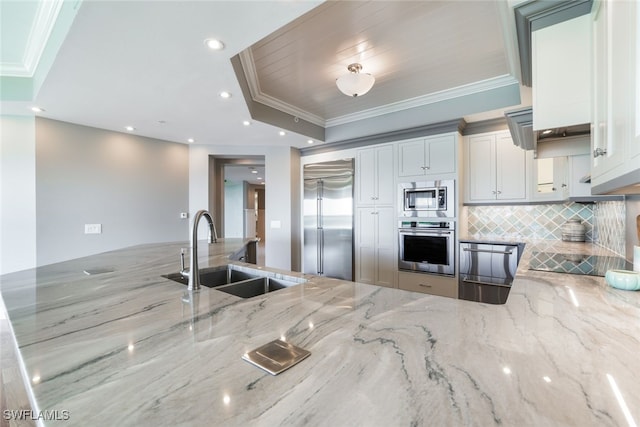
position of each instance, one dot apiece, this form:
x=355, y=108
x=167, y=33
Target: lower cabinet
x=428, y=284
x=376, y=234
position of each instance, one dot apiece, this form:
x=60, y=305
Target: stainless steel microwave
x=427, y=199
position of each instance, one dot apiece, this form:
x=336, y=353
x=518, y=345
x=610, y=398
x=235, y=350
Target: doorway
x=237, y=197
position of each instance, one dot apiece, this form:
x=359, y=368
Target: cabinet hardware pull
x=493, y=192
x=487, y=251
x=499, y=192
x=553, y=188
x=424, y=286
x=465, y=279
x=599, y=152
x=564, y=185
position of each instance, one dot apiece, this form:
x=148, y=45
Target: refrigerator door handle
x=320, y=229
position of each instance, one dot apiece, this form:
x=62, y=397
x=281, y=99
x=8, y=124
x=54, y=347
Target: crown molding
x=537, y=14
x=41, y=27
x=432, y=98
x=251, y=75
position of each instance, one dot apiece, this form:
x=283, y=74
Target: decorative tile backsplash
x=610, y=225
x=604, y=222
x=528, y=221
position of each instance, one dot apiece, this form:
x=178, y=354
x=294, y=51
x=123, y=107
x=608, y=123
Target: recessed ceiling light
x=214, y=44
x=310, y=141
x=37, y=109
x=254, y=171
x=282, y=133
x=246, y=123
x=130, y=128
x=225, y=95
x=191, y=140
x=259, y=178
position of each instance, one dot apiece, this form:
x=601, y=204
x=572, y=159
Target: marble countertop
x=130, y=347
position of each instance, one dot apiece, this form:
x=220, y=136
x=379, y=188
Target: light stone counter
x=131, y=348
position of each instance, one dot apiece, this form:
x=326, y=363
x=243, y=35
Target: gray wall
x=135, y=187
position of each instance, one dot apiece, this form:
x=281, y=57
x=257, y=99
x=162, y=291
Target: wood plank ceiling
x=411, y=48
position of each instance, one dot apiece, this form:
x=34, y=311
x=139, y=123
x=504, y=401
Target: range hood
x=520, y=124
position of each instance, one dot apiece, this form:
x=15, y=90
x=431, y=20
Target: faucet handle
x=182, y=268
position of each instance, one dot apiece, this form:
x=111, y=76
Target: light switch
x=93, y=229
x=276, y=224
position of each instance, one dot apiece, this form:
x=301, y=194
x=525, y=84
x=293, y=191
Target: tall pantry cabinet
x=375, y=232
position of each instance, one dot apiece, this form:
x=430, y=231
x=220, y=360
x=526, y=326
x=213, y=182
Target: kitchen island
x=129, y=347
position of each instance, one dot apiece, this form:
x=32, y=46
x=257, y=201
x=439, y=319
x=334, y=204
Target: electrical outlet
x=93, y=229
x=184, y=215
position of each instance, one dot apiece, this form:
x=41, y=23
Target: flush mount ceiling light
x=191, y=140
x=214, y=44
x=355, y=83
x=246, y=123
x=282, y=133
x=225, y=95
x=130, y=128
x=37, y=109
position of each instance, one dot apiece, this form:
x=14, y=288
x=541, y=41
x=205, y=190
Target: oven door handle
x=488, y=251
x=425, y=233
x=478, y=282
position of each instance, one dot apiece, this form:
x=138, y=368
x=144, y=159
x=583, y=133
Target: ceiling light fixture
x=310, y=141
x=246, y=123
x=37, y=109
x=355, y=83
x=259, y=178
x=282, y=133
x=130, y=128
x=225, y=95
x=214, y=44
x=254, y=171
x=191, y=140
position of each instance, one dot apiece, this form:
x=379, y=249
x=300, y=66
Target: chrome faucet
x=194, y=274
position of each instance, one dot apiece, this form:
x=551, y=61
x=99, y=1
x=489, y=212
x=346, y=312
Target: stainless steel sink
x=214, y=277
x=254, y=287
x=242, y=284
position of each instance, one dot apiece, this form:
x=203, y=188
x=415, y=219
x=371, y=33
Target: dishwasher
x=486, y=271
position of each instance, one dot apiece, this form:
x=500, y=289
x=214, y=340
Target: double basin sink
x=231, y=279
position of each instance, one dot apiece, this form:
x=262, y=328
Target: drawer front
x=429, y=284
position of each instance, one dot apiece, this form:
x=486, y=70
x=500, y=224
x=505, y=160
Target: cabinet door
x=365, y=245
x=549, y=179
x=511, y=170
x=387, y=233
x=481, y=181
x=366, y=177
x=411, y=158
x=441, y=155
x=607, y=151
x=385, y=184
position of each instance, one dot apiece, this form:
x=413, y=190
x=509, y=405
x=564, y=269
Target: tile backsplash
x=528, y=221
x=604, y=222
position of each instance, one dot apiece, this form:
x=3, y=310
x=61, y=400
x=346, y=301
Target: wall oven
x=427, y=199
x=427, y=247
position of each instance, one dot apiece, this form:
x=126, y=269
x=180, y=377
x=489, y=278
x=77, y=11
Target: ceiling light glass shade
x=355, y=83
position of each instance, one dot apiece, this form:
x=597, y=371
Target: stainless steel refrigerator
x=328, y=219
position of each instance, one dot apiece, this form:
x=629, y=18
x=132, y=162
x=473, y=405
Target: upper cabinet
x=616, y=97
x=549, y=179
x=561, y=74
x=374, y=176
x=496, y=169
x=429, y=157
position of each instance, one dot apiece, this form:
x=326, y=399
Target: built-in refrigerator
x=328, y=219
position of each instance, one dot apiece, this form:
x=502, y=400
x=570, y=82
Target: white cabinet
x=374, y=176
x=376, y=233
x=428, y=284
x=496, y=169
x=561, y=74
x=549, y=179
x=433, y=156
x=616, y=93
x=375, y=221
x=579, y=169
